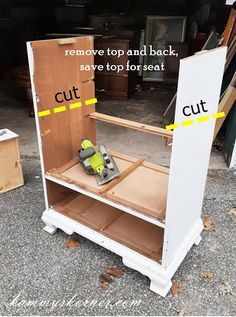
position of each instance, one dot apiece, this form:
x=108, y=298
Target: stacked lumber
x=228, y=93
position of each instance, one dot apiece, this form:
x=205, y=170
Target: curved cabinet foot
x=159, y=283
x=53, y=223
x=50, y=228
x=159, y=287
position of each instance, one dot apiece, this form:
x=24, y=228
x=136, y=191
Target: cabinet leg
x=50, y=228
x=199, y=238
x=159, y=287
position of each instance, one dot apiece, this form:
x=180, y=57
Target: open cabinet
x=150, y=215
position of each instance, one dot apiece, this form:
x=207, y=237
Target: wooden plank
x=156, y=167
x=231, y=53
x=225, y=106
x=191, y=148
x=66, y=41
x=74, y=181
x=117, y=180
x=131, y=124
x=67, y=165
x=124, y=157
x=229, y=26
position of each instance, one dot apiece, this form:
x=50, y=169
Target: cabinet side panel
x=58, y=77
x=200, y=78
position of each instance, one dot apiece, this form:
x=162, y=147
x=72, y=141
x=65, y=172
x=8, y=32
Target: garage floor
x=146, y=106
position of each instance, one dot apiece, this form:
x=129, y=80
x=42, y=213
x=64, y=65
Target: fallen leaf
x=208, y=275
x=225, y=288
x=232, y=213
x=104, y=286
x=176, y=288
x=180, y=312
x=208, y=223
x=105, y=278
x=71, y=243
x=115, y=272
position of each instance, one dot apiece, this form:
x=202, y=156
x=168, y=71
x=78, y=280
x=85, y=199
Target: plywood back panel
x=200, y=78
x=53, y=72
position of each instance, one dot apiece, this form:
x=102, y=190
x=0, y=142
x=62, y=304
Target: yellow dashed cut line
x=91, y=101
x=172, y=126
x=72, y=106
x=44, y=113
x=191, y=122
x=59, y=109
x=203, y=119
x=218, y=115
x=187, y=123
x=76, y=105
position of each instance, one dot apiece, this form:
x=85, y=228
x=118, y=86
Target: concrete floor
x=38, y=273
x=146, y=107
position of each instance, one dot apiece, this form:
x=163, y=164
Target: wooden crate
x=11, y=175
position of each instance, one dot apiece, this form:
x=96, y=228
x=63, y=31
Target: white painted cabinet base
x=160, y=277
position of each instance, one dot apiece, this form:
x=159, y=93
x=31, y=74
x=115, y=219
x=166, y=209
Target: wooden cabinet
x=110, y=83
x=150, y=215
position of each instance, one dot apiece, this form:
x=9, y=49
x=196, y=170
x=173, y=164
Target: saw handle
x=87, y=153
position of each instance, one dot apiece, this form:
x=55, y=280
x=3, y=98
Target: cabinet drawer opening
x=135, y=233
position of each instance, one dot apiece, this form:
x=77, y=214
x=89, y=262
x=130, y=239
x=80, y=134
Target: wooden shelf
x=131, y=124
x=139, y=235
x=141, y=186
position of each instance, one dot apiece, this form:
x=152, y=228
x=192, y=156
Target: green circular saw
x=97, y=162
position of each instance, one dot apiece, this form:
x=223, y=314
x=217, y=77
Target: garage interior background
x=122, y=24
